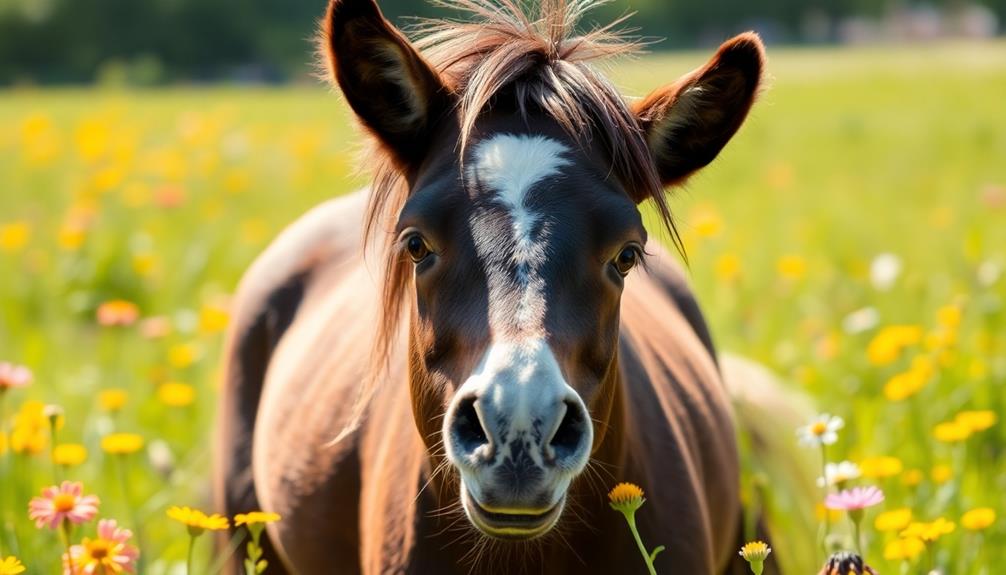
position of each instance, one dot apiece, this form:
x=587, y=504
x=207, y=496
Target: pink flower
x=108, y=554
x=855, y=498
x=12, y=376
x=63, y=503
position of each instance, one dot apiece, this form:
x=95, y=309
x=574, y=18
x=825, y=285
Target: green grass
x=849, y=154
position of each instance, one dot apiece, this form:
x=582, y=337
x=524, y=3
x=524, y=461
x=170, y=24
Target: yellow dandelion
x=626, y=494
x=121, y=443
x=894, y=520
x=175, y=394
x=213, y=319
x=951, y=432
x=112, y=400
x=976, y=420
x=941, y=474
x=886, y=347
x=978, y=519
x=949, y=317
x=256, y=518
x=912, y=477
x=728, y=267
x=904, y=549
x=929, y=532
x=3, y=443
x=14, y=236
x=69, y=454
x=197, y=521
x=182, y=355
x=791, y=267
x=30, y=433
x=11, y=566
x=880, y=467
x=706, y=222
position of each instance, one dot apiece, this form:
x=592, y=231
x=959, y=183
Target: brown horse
x=534, y=365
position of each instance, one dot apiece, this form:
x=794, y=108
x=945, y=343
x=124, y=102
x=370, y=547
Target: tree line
x=155, y=41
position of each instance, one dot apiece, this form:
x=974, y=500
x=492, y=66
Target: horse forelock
x=541, y=58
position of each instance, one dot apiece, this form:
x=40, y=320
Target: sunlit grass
x=162, y=198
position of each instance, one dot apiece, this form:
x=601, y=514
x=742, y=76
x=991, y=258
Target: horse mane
x=539, y=55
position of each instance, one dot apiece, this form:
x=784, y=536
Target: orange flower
x=117, y=313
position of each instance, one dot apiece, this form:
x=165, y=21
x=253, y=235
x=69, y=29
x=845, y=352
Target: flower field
x=852, y=239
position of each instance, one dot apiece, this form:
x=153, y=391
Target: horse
x=444, y=373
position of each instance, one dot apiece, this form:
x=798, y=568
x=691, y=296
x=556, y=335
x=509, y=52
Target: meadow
x=852, y=238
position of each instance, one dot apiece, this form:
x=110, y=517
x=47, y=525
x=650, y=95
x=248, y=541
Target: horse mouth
x=507, y=523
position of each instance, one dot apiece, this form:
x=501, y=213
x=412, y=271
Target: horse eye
x=418, y=250
x=627, y=259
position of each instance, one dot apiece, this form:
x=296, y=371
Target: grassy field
x=852, y=238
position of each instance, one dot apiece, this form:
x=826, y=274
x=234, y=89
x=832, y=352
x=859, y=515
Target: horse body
x=357, y=503
x=534, y=370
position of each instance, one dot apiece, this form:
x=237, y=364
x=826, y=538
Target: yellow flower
x=894, y=520
x=175, y=394
x=791, y=267
x=626, y=497
x=755, y=551
x=213, y=319
x=951, y=432
x=978, y=519
x=30, y=434
x=976, y=420
x=728, y=267
x=887, y=345
x=197, y=521
x=706, y=222
x=912, y=477
x=112, y=400
x=121, y=443
x=880, y=467
x=3, y=443
x=182, y=355
x=14, y=236
x=11, y=566
x=949, y=317
x=941, y=474
x=906, y=384
x=929, y=532
x=255, y=518
x=904, y=549
x=69, y=454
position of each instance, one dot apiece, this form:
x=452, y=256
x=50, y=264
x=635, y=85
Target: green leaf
x=260, y=568
x=655, y=552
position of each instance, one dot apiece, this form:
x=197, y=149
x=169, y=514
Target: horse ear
x=689, y=122
x=394, y=92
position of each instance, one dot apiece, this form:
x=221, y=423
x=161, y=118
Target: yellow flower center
x=819, y=428
x=99, y=549
x=64, y=502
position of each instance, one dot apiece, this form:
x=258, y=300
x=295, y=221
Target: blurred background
x=852, y=238
x=159, y=41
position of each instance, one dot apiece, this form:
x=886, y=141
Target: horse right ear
x=389, y=85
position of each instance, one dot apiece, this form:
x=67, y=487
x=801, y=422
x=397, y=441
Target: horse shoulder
x=274, y=293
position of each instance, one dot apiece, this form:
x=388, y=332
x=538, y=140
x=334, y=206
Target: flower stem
x=65, y=536
x=188, y=559
x=631, y=519
x=827, y=514
x=859, y=539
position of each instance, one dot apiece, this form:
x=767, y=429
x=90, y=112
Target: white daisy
x=838, y=473
x=822, y=431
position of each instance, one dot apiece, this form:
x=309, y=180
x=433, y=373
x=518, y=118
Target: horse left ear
x=393, y=90
x=689, y=122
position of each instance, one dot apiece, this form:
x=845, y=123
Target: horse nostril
x=468, y=432
x=569, y=434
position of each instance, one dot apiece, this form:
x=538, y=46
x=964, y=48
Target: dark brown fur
x=348, y=450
